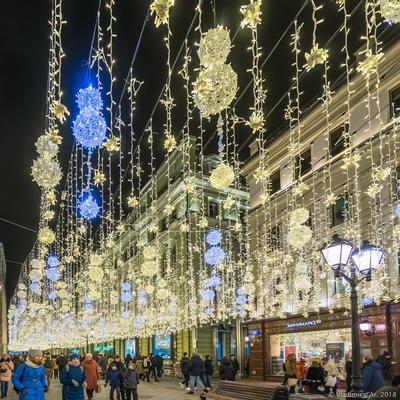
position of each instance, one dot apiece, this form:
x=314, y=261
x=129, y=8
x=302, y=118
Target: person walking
x=55, y=369
x=349, y=372
x=153, y=367
x=115, y=379
x=121, y=368
x=128, y=360
x=49, y=366
x=384, y=361
x=6, y=369
x=184, y=364
x=290, y=368
x=92, y=375
x=102, y=361
x=372, y=377
x=131, y=380
x=30, y=377
x=195, y=370
x=235, y=363
x=146, y=368
x=62, y=361
x=226, y=370
x=208, y=371
x=73, y=379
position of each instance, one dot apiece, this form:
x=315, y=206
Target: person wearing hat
x=73, y=379
x=92, y=375
x=386, y=365
x=6, y=368
x=29, y=379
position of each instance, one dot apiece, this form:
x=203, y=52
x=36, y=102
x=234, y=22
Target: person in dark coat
x=115, y=379
x=208, y=371
x=235, y=363
x=349, y=372
x=62, y=361
x=30, y=377
x=184, y=363
x=121, y=368
x=195, y=369
x=372, y=377
x=128, y=359
x=102, y=361
x=73, y=379
x=385, y=362
x=391, y=391
x=153, y=367
x=131, y=380
x=315, y=377
x=226, y=370
x=159, y=364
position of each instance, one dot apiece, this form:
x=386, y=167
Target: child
x=131, y=379
x=73, y=379
x=114, y=376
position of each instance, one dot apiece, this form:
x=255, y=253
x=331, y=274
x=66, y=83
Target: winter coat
x=31, y=377
x=185, y=365
x=208, y=367
x=386, y=366
x=301, y=370
x=128, y=359
x=316, y=374
x=290, y=365
x=236, y=365
x=131, y=379
x=372, y=377
x=103, y=363
x=330, y=369
x=226, y=370
x=68, y=374
x=114, y=378
x=62, y=361
x=92, y=373
x=119, y=364
x=195, y=366
x=9, y=367
x=49, y=363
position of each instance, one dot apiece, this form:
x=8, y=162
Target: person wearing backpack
x=29, y=379
x=6, y=368
x=73, y=379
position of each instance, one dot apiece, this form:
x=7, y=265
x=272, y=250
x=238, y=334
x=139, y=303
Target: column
x=239, y=344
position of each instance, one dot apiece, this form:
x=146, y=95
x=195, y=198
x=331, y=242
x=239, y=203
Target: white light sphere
x=46, y=172
x=46, y=147
x=222, y=176
x=149, y=268
x=215, y=47
x=390, y=10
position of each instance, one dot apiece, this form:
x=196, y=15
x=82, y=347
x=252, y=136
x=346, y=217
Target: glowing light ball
x=214, y=281
x=34, y=287
x=208, y=294
x=209, y=311
x=149, y=253
x=214, y=255
x=142, y=297
x=87, y=305
x=46, y=172
x=149, y=268
x=90, y=128
x=126, y=286
x=35, y=275
x=52, y=296
x=89, y=98
x=37, y=264
x=53, y=274
x=222, y=176
x=215, y=47
x=125, y=314
x=241, y=300
x=149, y=289
x=53, y=261
x=214, y=237
x=46, y=147
x=46, y=236
x=95, y=273
x=390, y=10
x=88, y=208
x=126, y=297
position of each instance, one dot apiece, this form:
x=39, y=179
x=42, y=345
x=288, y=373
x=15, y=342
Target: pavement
x=166, y=389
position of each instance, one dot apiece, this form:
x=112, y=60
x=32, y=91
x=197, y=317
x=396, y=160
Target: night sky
x=24, y=69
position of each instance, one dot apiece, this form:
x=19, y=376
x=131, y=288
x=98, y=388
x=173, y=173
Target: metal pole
x=239, y=344
x=356, y=379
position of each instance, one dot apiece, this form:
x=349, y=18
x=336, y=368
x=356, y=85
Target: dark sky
x=24, y=68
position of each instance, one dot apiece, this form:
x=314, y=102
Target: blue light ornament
x=208, y=294
x=90, y=128
x=53, y=274
x=52, y=296
x=53, y=261
x=34, y=287
x=88, y=208
x=126, y=286
x=214, y=237
x=214, y=255
x=214, y=280
x=126, y=297
x=89, y=98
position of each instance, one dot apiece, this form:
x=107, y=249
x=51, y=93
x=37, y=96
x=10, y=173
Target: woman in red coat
x=92, y=375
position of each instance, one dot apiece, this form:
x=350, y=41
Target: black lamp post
x=364, y=261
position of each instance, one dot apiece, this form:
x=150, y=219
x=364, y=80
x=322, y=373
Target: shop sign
x=254, y=332
x=304, y=323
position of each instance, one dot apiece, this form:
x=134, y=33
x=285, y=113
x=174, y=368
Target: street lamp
x=365, y=260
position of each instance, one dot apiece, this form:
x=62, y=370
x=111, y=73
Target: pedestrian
x=49, y=366
x=131, y=379
x=115, y=379
x=73, y=379
x=29, y=379
x=102, y=361
x=127, y=360
x=6, y=369
x=384, y=361
x=247, y=366
x=316, y=377
x=195, y=369
x=349, y=372
x=235, y=363
x=372, y=377
x=184, y=364
x=290, y=368
x=153, y=367
x=331, y=373
x=159, y=364
x=208, y=371
x=146, y=368
x=226, y=370
x=62, y=361
x=391, y=391
x=55, y=369
x=92, y=375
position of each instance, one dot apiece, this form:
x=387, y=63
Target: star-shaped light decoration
x=190, y=187
x=256, y=121
x=352, y=160
x=373, y=190
x=82, y=229
x=161, y=10
x=170, y=143
x=184, y=227
x=59, y=111
x=300, y=189
x=261, y=174
x=51, y=197
x=228, y=203
x=55, y=136
x=330, y=199
x=251, y=14
x=112, y=144
x=153, y=228
x=169, y=209
x=132, y=201
x=121, y=229
x=203, y=222
x=99, y=178
x=237, y=227
x=380, y=174
x=370, y=64
x=48, y=215
x=46, y=236
x=315, y=57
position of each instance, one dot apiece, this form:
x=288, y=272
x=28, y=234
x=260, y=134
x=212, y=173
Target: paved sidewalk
x=166, y=389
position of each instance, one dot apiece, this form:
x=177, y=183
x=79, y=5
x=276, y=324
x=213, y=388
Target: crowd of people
x=324, y=375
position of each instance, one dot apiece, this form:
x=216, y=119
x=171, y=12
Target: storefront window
x=130, y=347
x=162, y=346
x=106, y=348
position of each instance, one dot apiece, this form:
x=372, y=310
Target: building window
x=303, y=163
x=275, y=182
x=213, y=209
x=395, y=103
x=340, y=211
x=162, y=346
x=336, y=141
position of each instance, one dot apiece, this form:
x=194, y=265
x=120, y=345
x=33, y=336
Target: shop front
x=321, y=335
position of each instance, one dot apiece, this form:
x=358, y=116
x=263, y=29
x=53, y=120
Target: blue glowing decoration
x=125, y=314
x=241, y=300
x=89, y=98
x=90, y=128
x=52, y=296
x=209, y=311
x=214, y=280
x=53, y=274
x=208, y=294
x=139, y=322
x=34, y=287
x=53, y=261
x=88, y=208
x=126, y=297
x=23, y=303
x=242, y=313
x=367, y=301
x=214, y=237
x=126, y=286
x=142, y=297
x=214, y=255
x=397, y=211
x=88, y=305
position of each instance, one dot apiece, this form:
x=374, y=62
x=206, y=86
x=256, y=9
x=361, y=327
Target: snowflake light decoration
x=370, y=64
x=59, y=111
x=53, y=274
x=214, y=255
x=228, y=203
x=330, y=199
x=132, y=201
x=53, y=261
x=48, y=215
x=251, y=14
x=390, y=10
x=46, y=172
x=161, y=10
x=51, y=197
x=90, y=128
x=214, y=237
x=46, y=236
x=208, y=294
x=222, y=176
x=170, y=143
x=99, y=178
x=34, y=287
x=215, y=47
x=88, y=208
x=111, y=144
x=374, y=190
x=256, y=121
x=169, y=209
x=315, y=57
